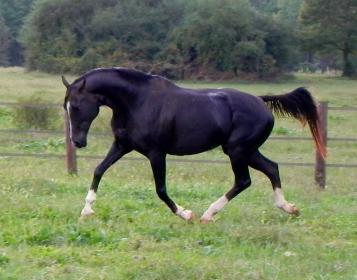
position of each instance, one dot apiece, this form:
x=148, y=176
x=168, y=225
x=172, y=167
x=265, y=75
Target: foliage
x=14, y=13
x=4, y=43
x=231, y=35
x=160, y=36
x=331, y=26
x=179, y=38
x=102, y=34
x=33, y=115
x=217, y=34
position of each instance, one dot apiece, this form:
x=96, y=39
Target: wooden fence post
x=70, y=149
x=320, y=165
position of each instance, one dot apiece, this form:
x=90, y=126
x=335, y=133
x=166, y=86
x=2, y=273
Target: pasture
x=133, y=235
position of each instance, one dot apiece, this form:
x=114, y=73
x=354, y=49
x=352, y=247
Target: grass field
x=133, y=234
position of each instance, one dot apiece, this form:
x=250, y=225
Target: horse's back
x=199, y=122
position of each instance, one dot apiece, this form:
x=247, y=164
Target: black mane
x=130, y=75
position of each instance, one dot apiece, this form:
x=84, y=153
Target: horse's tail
x=300, y=105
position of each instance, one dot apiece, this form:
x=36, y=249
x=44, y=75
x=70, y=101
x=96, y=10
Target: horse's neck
x=122, y=96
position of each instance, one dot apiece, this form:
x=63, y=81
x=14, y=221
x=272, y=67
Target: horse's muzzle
x=80, y=144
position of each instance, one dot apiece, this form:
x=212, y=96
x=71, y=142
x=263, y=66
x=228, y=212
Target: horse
x=155, y=117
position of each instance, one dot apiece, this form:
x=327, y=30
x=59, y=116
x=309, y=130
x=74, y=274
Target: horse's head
x=82, y=108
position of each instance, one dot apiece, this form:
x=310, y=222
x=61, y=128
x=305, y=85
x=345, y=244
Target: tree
x=230, y=35
x=74, y=36
x=4, y=43
x=57, y=34
x=14, y=13
x=330, y=25
x=163, y=36
x=220, y=34
x=268, y=7
x=139, y=28
x=288, y=12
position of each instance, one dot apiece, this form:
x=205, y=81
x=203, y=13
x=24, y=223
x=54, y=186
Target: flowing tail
x=300, y=105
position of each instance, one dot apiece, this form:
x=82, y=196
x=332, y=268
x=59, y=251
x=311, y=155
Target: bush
x=31, y=115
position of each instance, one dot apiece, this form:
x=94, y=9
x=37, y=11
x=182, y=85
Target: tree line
x=180, y=38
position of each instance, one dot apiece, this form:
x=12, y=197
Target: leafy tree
x=288, y=12
x=14, y=13
x=230, y=35
x=139, y=28
x=268, y=7
x=331, y=26
x=163, y=36
x=219, y=33
x=73, y=36
x=56, y=34
x=4, y=43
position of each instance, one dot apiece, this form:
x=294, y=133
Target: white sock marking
x=90, y=198
x=283, y=204
x=214, y=208
x=184, y=213
x=279, y=198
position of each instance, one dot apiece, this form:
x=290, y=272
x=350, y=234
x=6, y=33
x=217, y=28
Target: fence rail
x=175, y=160
x=95, y=133
x=71, y=157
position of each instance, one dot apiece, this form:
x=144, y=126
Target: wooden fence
x=320, y=164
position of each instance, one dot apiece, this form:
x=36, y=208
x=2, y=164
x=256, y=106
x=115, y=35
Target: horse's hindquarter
x=252, y=120
x=220, y=117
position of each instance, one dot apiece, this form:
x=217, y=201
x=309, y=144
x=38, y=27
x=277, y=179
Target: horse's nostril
x=80, y=144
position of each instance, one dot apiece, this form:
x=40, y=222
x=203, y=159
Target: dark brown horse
x=155, y=117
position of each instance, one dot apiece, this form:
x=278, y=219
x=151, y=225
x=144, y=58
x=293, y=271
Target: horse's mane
x=125, y=73
x=130, y=75
x=133, y=75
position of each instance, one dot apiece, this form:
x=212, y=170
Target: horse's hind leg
x=270, y=169
x=158, y=165
x=241, y=182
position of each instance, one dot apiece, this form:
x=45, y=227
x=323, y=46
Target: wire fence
x=71, y=157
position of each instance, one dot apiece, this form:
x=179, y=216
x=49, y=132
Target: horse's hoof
x=188, y=215
x=86, y=213
x=205, y=220
x=294, y=210
x=291, y=209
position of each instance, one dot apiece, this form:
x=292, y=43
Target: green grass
x=133, y=234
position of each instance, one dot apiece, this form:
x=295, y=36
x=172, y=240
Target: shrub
x=32, y=115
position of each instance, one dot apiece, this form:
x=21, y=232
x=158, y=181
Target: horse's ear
x=65, y=82
x=82, y=84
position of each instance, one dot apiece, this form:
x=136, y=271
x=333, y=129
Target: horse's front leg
x=158, y=165
x=115, y=153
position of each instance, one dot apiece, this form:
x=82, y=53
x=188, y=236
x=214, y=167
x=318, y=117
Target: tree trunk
x=348, y=69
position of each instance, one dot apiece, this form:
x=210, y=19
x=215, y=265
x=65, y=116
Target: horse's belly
x=197, y=141
x=200, y=127
x=191, y=149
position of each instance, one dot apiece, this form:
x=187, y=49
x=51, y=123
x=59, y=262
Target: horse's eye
x=75, y=107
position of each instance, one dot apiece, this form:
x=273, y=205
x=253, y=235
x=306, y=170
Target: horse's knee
x=98, y=172
x=162, y=194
